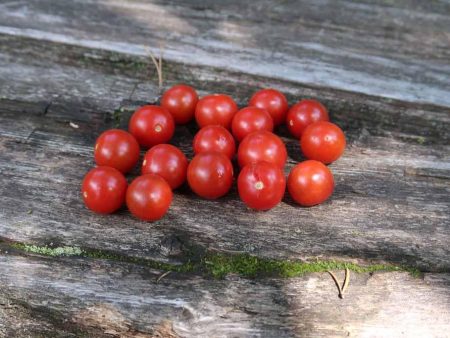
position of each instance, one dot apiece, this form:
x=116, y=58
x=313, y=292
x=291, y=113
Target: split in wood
x=344, y=287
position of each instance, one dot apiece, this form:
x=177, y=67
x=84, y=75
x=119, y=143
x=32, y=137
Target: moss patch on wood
x=219, y=265
x=49, y=251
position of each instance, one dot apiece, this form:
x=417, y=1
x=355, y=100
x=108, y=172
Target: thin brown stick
x=346, y=280
x=161, y=53
x=162, y=276
x=336, y=282
x=157, y=63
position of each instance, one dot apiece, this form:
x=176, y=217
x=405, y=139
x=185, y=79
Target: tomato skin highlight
x=323, y=141
x=214, y=138
x=310, y=183
x=117, y=149
x=210, y=175
x=249, y=120
x=180, y=101
x=103, y=189
x=261, y=186
x=262, y=146
x=167, y=161
x=149, y=197
x=304, y=113
x=215, y=109
x=273, y=101
x=151, y=125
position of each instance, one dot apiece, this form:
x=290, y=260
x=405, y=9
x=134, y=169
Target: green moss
x=421, y=140
x=47, y=251
x=117, y=117
x=219, y=265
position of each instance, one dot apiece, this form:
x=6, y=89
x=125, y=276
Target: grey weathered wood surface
x=123, y=298
x=383, y=70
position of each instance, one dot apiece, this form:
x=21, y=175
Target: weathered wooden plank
x=125, y=299
x=381, y=209
x=362, y=47
x=25, y=71
x=391, y=183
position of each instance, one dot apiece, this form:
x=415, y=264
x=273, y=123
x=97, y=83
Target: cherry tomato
x=304, y=113
x=310, y=183
x=151, y=125
x=262, y=146
x=210, y=175
x=250, y=119
x=214, y=138
x=104, y=189
x=180, y=101
x=323, y=141
x=168, y=162
x=149, y=197
x=118, y=149
x=273, y=101
x=215, y=109
x=261, y=185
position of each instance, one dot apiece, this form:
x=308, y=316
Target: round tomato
x=215, y=109
x=262, y=146
x=180, y=101
x=149, y=197
x=210, y=175
x=104, y=189
x=250, y=119
x=273, y=101
x=304, y=113
x=310, y=183
x=151, y=125
x=118, y=149
x=214, y=138
x=323, y=141
x=167, y=161
x=261, y=185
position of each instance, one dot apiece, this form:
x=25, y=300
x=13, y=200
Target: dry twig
x=157, y=62
x=162, y=276
x=336, y=282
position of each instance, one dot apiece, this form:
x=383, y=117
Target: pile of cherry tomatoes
x=261, y=155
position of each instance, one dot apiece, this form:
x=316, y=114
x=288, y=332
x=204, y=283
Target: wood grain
x=123, y=298
x=337, y=44
x=391, y=188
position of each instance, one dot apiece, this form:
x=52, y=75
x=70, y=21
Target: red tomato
x=210, y=175
x=273, y=101
x=310, y=183
x=323, y=141
x=215, y=109
x=304, y=113
x=261, y=185
x=180, y=101
x=151, y=125
x=118, y=149
x=149, y=197
x=104, y=189
x=250, y=119
x=262, y=146
x=214, y=138
x=168, y=162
